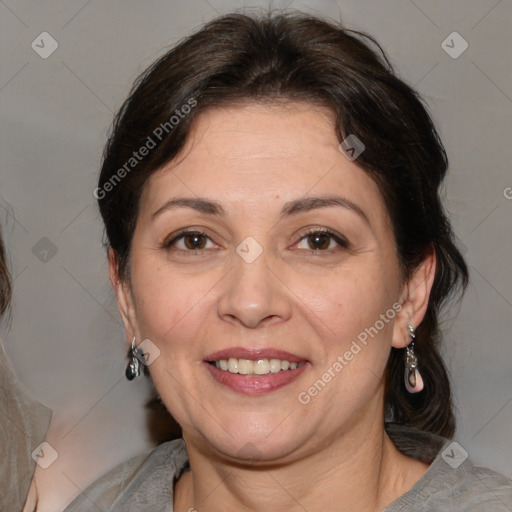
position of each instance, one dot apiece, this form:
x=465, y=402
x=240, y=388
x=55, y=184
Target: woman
x=280, y=255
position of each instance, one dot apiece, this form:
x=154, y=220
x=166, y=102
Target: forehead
x=229, y=131
x=250, y=155
x=264, y=133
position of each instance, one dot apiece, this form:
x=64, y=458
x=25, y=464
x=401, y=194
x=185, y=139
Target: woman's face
x=291, y=262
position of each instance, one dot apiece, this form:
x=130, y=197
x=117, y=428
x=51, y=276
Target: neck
x=360, y=470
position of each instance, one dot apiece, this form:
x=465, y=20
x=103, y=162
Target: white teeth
x=233, y=365
x=275, y=365
x=245, y=366
x=258, y=367
x=261, y=367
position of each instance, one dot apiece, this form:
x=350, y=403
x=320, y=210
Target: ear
x=414, y=300
x=124, y=297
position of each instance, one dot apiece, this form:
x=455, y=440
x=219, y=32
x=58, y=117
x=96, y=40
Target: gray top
x=451, y=484
x=24, y=422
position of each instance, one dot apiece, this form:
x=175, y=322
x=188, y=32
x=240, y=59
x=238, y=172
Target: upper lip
x=254, y=354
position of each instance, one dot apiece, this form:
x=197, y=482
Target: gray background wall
x=66, y=340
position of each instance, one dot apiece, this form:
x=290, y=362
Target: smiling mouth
x=255, y=367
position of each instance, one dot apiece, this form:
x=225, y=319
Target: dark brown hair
x=296, y=57
x=5, y=281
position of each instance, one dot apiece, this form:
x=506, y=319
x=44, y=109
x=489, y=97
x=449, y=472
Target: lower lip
x=255, y=384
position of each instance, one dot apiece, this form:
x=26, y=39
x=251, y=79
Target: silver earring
x=133, y=369
x=412, y=377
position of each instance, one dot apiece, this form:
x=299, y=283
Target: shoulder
x=144, y=482
x=453, y=482
x=31, y=418
x=470, y=487
x=467, y=488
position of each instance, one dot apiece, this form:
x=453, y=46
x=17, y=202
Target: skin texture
x=271, y=452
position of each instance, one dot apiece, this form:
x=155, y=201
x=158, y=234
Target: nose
x=254, y=295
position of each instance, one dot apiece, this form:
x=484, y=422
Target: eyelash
x=342, y=242
x=314, y=231
x=168, y=244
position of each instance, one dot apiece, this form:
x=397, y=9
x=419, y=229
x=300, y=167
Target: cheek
x=169, y=307
x=349, y=299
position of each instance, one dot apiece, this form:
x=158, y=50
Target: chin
x=258, y=442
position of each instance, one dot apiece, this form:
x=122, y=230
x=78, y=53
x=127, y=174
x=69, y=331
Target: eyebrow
x=208, y=207
x=204, y=206
x=312, y=203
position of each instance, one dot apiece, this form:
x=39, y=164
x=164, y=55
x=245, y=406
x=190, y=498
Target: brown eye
x=188, y=241
x=319, y=241
x=194, y=241
x=322, y=241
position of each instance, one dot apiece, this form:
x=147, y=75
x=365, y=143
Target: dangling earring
x=412, y=377
x=133, y=369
